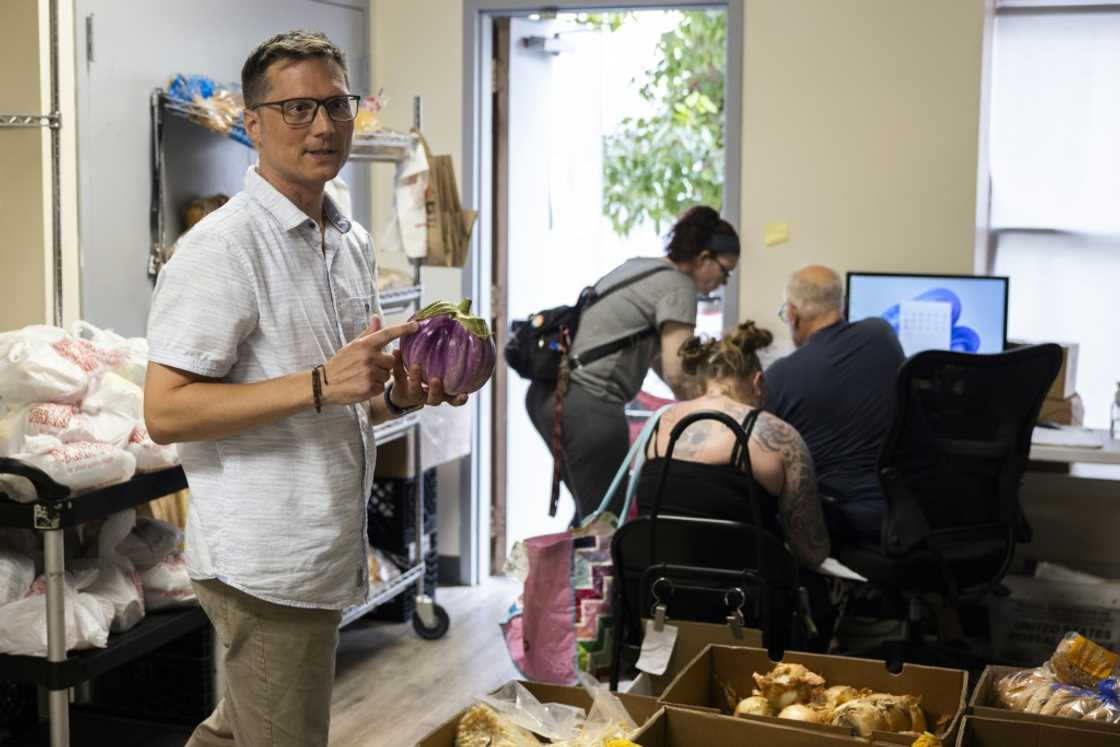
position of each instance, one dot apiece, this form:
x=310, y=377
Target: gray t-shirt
x=668, y=296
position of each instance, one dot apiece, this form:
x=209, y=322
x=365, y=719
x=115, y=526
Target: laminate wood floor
x=392, y=687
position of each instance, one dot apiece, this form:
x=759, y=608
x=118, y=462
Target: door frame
x=477, y=187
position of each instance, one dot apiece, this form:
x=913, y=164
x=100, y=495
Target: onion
x=756, y=705
x=451, y=345
x=787, y=684
x=798, y=712
x=861, y=715
x=836, y=696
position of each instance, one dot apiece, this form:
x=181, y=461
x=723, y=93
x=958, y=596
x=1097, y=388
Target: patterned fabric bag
x=561, y=623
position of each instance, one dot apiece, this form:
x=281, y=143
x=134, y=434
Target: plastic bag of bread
x=481, y=726
x=1081, y=662
x=554, y=721
x=1040, y=691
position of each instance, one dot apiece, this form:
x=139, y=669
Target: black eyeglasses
x=302, y=111
x=726, y=272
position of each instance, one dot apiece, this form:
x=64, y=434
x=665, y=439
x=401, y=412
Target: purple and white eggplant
x=451, y=345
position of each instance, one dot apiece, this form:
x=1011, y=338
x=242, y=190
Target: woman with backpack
x=643, y=311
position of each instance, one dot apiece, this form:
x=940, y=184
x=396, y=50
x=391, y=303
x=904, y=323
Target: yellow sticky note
x=775, y=233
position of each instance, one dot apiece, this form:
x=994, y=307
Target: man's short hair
x=291, y=45
x=815, y=293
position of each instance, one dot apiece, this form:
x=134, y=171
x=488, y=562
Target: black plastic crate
x=392, y=512
x=400, y=608
x=19, y=709
x=173, y=684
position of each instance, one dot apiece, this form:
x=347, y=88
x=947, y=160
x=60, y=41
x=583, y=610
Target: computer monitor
x=967, y=313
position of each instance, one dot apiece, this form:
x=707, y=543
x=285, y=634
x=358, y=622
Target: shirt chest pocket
x=354, y=315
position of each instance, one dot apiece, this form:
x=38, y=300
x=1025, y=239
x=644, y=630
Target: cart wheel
x=439, y=630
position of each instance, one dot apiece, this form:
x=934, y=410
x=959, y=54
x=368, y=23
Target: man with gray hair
x=838, y=390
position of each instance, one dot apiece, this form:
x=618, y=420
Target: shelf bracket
x=52, y=120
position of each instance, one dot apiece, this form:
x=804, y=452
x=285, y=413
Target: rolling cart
x=55, y=511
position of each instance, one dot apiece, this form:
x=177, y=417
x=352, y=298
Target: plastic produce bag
x=167, y=584
x=69, y=424
x=149, y=542
x=150, y=456
x=132, y=352
x=407, y=228
x=118, y=590
x=118, y=583
x=17, y=572
x=32, y=370
x=79, y=466
x=13, y=429
x=114, y=393
x=24, y=632
x=91, y=358
x=555, y=721
x=608, y=719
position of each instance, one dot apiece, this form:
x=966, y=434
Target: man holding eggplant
x=269, y=366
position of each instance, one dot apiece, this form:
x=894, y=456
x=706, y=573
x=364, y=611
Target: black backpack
x=538, y=344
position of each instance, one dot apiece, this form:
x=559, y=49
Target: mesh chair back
x=952, y=464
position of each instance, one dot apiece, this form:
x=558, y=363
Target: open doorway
x=604, y=127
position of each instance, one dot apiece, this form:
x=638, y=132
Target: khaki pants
x=279, y=670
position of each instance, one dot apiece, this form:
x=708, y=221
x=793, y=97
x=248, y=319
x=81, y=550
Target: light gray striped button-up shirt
x=250, y=294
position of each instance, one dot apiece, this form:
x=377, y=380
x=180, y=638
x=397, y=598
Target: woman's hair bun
x=695, y=353
x=749, y=338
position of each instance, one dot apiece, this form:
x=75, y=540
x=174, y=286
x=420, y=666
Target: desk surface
x=1109, y=454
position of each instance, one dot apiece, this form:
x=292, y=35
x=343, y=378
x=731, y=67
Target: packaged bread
x=1081, y=662
x=481, y=726
x=1042, y=692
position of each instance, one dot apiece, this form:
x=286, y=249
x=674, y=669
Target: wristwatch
x=393, y=409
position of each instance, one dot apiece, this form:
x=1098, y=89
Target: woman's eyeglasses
x=726, y=272
x=302, y=111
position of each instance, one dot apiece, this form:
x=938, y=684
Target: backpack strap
x=608, y=348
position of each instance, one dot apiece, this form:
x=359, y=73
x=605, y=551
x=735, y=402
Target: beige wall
x=26, y=267
x=23, y=259
x=416, y=50
x=860, y=127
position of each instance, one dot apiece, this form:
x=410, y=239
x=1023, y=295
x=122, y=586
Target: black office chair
x=702, y=569
x=951, y=469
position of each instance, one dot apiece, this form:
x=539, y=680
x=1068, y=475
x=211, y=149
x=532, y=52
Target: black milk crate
x=400, y=608
x=19, y=709
x=392, y=511
x=173, y=684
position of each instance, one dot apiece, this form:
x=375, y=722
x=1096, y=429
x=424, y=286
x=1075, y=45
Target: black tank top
x=711, y=491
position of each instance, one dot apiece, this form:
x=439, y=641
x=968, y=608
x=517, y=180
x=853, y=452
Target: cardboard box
x=700, y=685
x=692, y=638
x=984, y=705
x=680, y=727
x=982, y=732
x=395, y=459
x=1027, y=625
x=1069, y=411
x=1065, y=383
x=640, y=708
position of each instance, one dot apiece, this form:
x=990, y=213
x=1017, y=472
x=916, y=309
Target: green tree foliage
x=655, y=167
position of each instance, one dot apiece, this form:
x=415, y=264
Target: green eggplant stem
x=460, y=313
